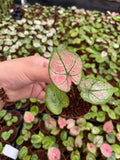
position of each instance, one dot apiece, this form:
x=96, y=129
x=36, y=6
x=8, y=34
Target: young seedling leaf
x=95, y=91
x=53, y=153
x=50, y=123
x=61, y=122
x=64, y=68
x=106, y=150
x=28, y=117
x=108, y=126
x=55, y=99
x=91, y=147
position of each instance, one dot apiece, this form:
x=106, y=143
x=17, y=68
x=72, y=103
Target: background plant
x=5, y=6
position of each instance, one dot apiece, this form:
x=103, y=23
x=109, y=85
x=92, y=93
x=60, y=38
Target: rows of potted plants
x=83, y=48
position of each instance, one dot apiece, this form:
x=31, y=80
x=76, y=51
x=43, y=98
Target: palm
x=24, y=78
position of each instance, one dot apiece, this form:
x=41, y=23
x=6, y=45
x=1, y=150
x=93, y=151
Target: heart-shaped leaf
x=55, y=99
x=95, y=91
x=64, y=68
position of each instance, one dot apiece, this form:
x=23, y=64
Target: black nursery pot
x=100, y=5
x=16, y=14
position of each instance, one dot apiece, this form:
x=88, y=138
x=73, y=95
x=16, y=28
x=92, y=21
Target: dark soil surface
x=77, y=106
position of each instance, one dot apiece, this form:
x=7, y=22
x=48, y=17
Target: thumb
x=38, y=73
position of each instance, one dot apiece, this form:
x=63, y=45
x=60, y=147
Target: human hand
x=24, y=78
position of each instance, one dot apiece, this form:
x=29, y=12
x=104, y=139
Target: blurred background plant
x=5, y=6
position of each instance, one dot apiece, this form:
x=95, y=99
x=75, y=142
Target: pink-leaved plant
x=64, y=68
x=78, y=141
x=28, y=117
x=118, y=136
x=74, y=131
x=61, y=122
x=91, y=147
x=106, y=150
x=53, y=153
x=70, y=123
x=108, y=127
x=50, y=123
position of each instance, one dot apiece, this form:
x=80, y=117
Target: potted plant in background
x=8, y=134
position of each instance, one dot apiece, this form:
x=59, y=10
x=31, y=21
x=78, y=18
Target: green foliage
x=47, y=142
x=94, y=90
x=34, y=157
x=7, y=117
x=6, y=134
x=55, y=99
x=63, y=135
x=34, y=110
x=75, y=155
x=23, y=152
x=69, y=143
x=110, y=138
x=90, y=156
x=5, y=7
x=46, y=116
x=116, y=148
x=2, y=113
x=25, y=136
x=1, y=147
x=36, y=139
x=98, y=140
x=28, y=126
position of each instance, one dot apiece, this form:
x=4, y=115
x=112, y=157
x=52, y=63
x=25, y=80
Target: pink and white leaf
x=74, y=131
x=28, y=117
x=108, y=127
x=91, y=147
x=106, y=150
x=50, y=123
x=118, y=136
x=70, y=123
x=53, y=153
x=61, y=122
x=64, y=68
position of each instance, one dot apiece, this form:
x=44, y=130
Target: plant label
x=10, y=151
x=23, y=2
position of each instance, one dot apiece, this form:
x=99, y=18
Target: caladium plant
x=28, y=117
x=50, y=123
x=106, y=150
x=64, y=68
x=95, y=90
x=108, y=127
x=91, y=147
x=55, y=99
x=61, y=122
x=75, y=155
x=54, y=153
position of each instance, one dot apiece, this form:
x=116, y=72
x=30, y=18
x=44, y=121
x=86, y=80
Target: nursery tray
x=100, y=5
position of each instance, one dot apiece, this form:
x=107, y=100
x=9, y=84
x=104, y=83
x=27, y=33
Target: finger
x=1, y=104
x=41, y=96
x=34, y=60
x=22, y=93
x=23, y=71
x=36, y=73
x=29, y=91
x=43, y=85
x=38, y=68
